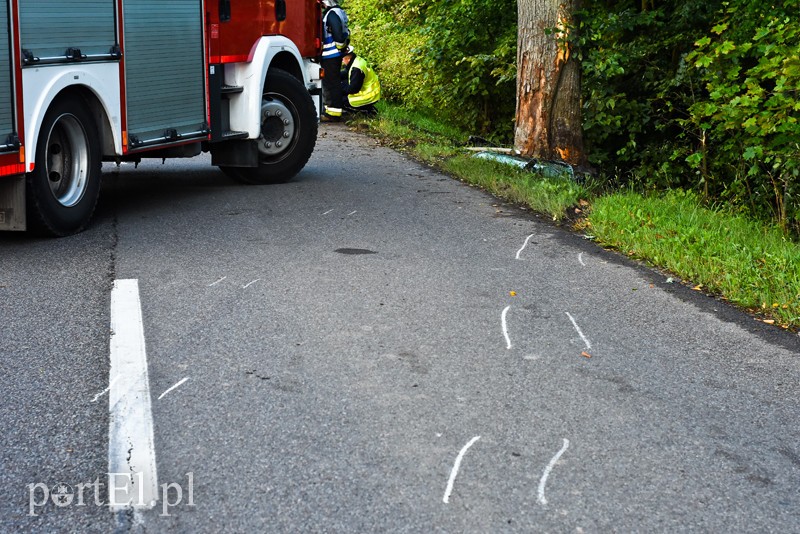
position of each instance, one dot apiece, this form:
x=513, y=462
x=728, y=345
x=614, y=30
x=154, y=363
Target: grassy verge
x=754, y=267
x=744, y=262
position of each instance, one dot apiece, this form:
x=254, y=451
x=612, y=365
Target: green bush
x=697, y=95
x=456, y=58
x=636, y=86
x=748, y=122
x=385, y=40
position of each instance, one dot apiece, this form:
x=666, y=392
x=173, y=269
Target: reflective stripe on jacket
x=370, y=90
x=331, y=47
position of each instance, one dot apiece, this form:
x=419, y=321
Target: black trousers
x=369, y=109
x=332, y=86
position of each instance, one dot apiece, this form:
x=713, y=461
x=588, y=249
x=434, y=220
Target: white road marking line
x=251, y=283
x=327, y=212
x=218, y=281
x=352, y=213
x=173, y=387
x=131, y=443
x=505, y=326
x=541, y=498
x=105, y=390
x=456, y=466
x=580, y=259
x=578, y=329
x=524, y=245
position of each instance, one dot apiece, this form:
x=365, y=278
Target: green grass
x=550, y=196
x=421, y=122
x=751, y=265
x=742, y=261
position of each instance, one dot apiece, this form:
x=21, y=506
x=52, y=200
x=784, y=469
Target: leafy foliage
x=697, y=95
x=384, y=33
x=750, y=67
x=637, y=86
x=456, y=57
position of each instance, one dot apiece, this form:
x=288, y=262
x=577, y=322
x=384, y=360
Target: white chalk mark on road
x=218, y=281
x=505, y=326
x=456, y=466
x=578, y=330
x=173, y=387
x=131, y=442
x=580, y=259
x=251, y=283
x=105, y=390
x=327, y=212
x=524, y=245
x=541, y=498
x=352, y=213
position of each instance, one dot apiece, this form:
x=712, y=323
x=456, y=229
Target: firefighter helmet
x=330, y=3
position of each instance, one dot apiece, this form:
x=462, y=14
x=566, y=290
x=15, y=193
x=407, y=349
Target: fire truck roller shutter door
x=49, y=27
x=165, y=84
x=63, y=189
x=288, y=131
x=6, y=102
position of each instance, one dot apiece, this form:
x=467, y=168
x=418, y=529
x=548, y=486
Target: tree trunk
x=548, y=121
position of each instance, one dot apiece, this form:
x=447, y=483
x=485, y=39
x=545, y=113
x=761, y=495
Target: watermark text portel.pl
x=86, y=493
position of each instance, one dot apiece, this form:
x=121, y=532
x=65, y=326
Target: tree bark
x=548, y=118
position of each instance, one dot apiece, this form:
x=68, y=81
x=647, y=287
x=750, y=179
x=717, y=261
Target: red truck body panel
x=232, y=40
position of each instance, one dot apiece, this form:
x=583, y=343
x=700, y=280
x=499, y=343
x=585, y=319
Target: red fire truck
x=87, y=81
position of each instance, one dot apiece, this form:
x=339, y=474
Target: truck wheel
x=63, y=189
x=288, y=132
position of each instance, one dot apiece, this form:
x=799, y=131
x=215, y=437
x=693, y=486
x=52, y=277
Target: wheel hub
x=67, y=160
x=277, y=128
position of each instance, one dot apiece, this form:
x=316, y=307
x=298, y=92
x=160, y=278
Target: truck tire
x=63, y=188
x=288, y=132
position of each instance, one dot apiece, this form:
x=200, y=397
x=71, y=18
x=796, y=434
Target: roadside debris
x=547, y=169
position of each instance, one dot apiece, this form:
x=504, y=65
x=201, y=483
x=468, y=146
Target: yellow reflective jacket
x=371, y=89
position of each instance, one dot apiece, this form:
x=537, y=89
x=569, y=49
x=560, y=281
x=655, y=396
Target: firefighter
x=336, y=36
x=360, y=84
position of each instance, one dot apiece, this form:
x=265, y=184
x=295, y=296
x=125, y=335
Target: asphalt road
x=377, y=347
